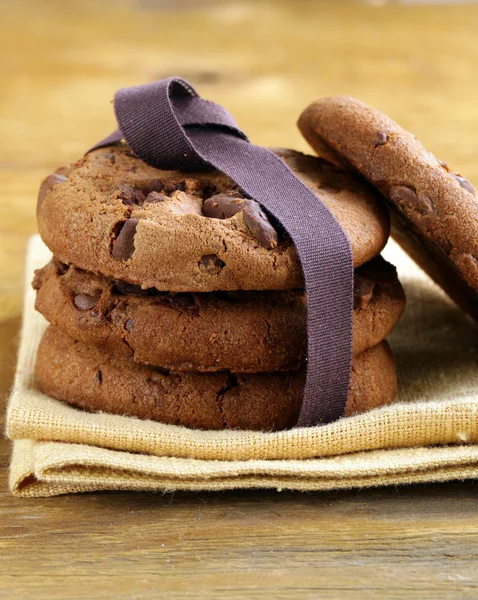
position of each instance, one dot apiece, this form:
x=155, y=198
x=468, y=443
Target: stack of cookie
x=172, y=297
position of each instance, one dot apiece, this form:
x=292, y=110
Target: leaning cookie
x=93, y=379
x=112, y=214
x=434, y=210
x=214, y=331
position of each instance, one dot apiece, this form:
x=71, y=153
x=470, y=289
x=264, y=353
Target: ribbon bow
x=168, y=125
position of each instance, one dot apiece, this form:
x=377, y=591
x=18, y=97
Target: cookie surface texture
x=93, y=379
x=434, y=210
x=238, y=331
x=111, y=214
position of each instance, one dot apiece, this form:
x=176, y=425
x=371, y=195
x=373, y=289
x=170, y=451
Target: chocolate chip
x=47, y=185
x=129, y=195
x=129, y=325
x=363, y=291
x=223, y=206
x=86, y=301
x=465, y=184
x=381, y=138
x=154, y=197
x=123, y=245
x=258, y=224
x=407, y=197
x=212, y=263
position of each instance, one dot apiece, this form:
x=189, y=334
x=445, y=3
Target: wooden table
x=61, y=63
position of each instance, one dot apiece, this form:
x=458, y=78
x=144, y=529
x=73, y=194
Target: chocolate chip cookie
x=93, y=379
x=111, y=214
x=434, y=210
x=242, y=331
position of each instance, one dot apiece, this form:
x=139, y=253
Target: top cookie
x=112, y=214
x=434, y=211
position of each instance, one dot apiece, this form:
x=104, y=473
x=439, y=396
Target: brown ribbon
x=169, y=126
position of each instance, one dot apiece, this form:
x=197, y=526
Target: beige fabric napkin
x=429, y=434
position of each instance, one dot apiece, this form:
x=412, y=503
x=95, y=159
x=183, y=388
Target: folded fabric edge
x=31, y=414
x=46, y=469
x=65, y=483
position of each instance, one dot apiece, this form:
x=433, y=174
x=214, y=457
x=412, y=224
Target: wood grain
x=417, y=542
x=61, y=63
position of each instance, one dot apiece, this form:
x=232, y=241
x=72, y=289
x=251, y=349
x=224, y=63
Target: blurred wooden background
x=61, y=62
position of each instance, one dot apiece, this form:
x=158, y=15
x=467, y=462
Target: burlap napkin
x=429, y=434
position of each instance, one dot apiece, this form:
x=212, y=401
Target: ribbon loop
x=167, y=106
x=169, y=126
